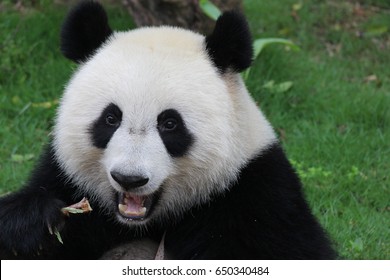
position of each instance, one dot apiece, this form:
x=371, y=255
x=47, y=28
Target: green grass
x=333, y=122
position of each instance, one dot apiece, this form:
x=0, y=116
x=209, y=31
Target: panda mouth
x=134, y=207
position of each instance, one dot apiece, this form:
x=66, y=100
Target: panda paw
x=28, y=223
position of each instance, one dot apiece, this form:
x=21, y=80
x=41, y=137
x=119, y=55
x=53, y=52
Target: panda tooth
x=122, y=208
x=142, y=212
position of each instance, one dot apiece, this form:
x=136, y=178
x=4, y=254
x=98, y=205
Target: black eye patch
x=173, y=132
x=104, y=127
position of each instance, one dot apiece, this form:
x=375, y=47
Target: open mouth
x=135, y=207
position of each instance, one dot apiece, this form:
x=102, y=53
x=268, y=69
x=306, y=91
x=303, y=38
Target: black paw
x=28, y=222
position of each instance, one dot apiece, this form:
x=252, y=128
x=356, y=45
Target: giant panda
x=157, y=129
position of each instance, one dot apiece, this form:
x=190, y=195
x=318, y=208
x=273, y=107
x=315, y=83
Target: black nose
x=129, y=182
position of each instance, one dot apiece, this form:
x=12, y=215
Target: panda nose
x=129, y=182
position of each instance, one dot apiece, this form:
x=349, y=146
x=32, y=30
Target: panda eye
x=112, y=120
x=169, y=125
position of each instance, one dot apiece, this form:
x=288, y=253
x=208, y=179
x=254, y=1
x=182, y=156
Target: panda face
x=149, y=127
x=133, y=154
x=138, y=159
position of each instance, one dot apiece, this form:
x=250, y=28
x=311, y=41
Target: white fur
x=145, y=72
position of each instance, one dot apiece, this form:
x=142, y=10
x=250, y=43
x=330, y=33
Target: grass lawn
x=333, y=117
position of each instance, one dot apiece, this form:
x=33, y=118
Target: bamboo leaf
x=57, y=233
x=45, y=105
x=210, y=9
x=375, y=31
x=260, y=44
x=278, y=88
x=73, y=210
x=21, y=158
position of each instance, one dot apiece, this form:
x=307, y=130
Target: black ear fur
x=230, y=44
x=84, y=30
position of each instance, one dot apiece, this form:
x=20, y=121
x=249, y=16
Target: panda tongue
x=132, y=206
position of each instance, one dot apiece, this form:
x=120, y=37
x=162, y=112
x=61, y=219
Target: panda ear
x=84, y=30
x=230, y=44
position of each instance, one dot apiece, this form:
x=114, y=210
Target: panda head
x=155, y=120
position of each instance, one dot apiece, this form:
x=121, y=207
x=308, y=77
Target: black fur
x=263, y=216
x=102, y=130
x=178, y=140
x=230, y=44
x=84, y=30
